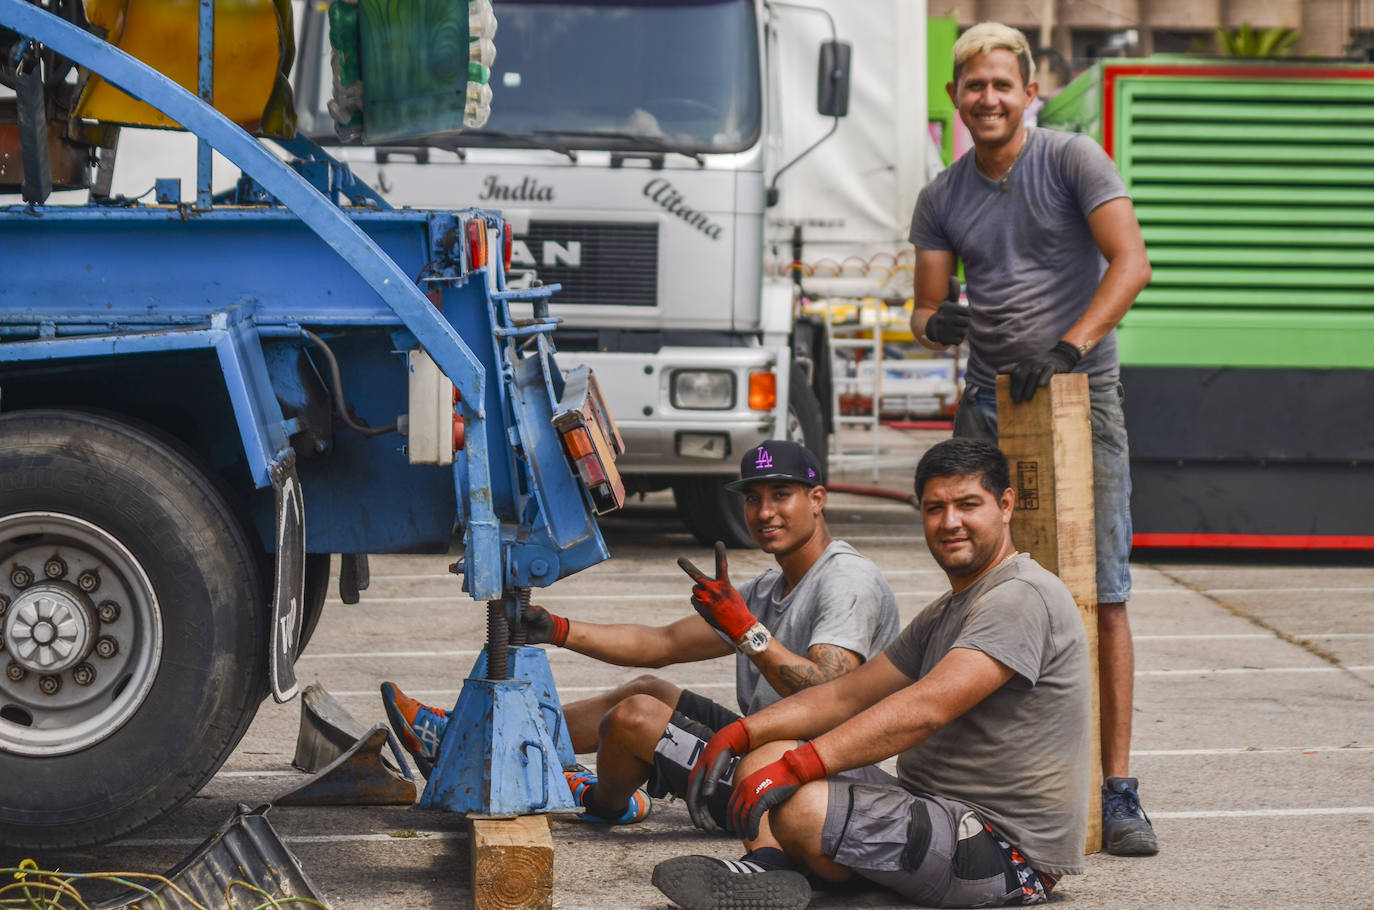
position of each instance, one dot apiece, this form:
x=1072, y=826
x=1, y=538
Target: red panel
x=1111, y=73
x=1258, y=541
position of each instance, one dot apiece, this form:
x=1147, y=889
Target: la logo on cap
x=764, y=460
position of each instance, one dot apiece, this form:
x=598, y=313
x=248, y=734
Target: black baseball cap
x=778, y=459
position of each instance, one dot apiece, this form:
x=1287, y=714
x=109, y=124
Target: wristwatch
x=755, y=641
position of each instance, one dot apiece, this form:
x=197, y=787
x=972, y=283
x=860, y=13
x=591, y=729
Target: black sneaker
x=1126, y=829
x=706, y=883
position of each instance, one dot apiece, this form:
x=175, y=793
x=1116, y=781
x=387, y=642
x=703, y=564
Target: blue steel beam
x=315, y=211
x=261, y=426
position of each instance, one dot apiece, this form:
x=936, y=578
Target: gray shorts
x=934, y=852
x=977, y=419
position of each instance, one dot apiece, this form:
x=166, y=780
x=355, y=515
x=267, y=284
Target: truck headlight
x=703, y=390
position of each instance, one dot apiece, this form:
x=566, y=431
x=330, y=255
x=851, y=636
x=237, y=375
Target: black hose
x=336, y=379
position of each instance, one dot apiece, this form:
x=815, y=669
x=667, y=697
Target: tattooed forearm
x=827, y=662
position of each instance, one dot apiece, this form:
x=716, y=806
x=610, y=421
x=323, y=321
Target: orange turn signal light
x=578, y=442
x=763, y=391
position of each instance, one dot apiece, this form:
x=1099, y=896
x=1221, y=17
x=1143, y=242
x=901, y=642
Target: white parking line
x=1340, y=590
x=418, y=834
x=1267, y=813
x=1227, y=671
x=1273, y=750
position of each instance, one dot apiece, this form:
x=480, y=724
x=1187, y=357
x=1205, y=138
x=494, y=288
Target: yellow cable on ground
x=44, y=889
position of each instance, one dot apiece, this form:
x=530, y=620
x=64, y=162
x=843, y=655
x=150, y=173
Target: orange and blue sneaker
x=419, y=727
x=581, y=784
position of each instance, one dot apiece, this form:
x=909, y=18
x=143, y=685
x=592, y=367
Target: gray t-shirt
x=1029, y=259
x=1020, y=756
x=843, y=600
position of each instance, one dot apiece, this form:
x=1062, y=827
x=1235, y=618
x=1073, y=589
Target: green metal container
x=1248, y=361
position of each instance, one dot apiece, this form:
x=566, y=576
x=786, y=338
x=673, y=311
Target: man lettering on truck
x=986, y=702
x=1053, y=258
x=824, y=601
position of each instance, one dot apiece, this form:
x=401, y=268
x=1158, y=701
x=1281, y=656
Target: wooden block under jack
x=1048, y=444
x=512, y=863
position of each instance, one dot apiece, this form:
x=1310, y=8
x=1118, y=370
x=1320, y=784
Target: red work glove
x=717, y=600
x=715, y=761
x=543, y=627
x=771, y=786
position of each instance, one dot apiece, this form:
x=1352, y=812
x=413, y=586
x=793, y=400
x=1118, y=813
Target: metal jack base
x=497, y=758
x=532, y=664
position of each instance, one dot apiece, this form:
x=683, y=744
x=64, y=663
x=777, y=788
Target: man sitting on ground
x=824, y=601
x=983, y=698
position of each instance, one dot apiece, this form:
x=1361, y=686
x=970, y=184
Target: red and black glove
x=717, y=600
x=542, y=627
x=771, y=786
x=714, y=763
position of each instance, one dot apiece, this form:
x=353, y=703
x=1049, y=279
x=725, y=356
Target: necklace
x=1002, y=181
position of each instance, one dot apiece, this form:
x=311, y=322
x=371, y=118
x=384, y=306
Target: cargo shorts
x=934, y=852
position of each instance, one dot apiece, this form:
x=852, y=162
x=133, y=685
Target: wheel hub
x=50, y=628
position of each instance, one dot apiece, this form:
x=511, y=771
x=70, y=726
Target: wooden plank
x=512, y=863
x=1048, y=444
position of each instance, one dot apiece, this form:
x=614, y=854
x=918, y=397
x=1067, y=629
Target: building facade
x=1081, y=31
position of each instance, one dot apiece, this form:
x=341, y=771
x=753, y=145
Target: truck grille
x=607, y=264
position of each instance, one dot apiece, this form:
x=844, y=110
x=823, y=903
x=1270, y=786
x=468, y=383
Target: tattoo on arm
x=827, y=662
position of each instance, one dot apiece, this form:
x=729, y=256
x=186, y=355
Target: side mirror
x=832, y=90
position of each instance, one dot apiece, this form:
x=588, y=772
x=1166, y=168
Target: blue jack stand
x=532, y=664
x=497, y=757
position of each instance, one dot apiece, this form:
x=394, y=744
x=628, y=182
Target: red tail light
x=477, y=243
x=507, y=245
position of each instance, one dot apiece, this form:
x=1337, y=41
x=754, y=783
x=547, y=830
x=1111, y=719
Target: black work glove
x=1033, y=372
x=544, y=628
x=948, y=324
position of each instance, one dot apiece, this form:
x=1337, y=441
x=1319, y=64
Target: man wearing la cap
x=821, y=613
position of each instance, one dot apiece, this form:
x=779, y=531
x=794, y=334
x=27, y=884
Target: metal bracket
x=33, y=134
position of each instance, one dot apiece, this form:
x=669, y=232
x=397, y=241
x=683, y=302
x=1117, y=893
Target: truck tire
x=135, y=629
x=712, y=512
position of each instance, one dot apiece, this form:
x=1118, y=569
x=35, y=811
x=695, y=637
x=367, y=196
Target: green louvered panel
x=1256, y=198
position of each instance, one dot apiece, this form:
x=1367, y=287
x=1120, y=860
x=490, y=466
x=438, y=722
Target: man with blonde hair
x=1053, y=258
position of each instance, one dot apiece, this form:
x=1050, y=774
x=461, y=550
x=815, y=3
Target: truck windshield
x=681, y=75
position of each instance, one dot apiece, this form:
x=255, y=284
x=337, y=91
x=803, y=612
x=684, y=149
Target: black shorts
x=695, y=720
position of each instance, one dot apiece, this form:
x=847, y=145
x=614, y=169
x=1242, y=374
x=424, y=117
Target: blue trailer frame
x=196, y=291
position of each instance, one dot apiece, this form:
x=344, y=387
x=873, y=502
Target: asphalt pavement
x=1254, y=722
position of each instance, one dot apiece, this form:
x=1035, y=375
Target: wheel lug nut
x=15, y=672
x=83, y=674
x=107, y=647
x=55, y=567
x=21, y=577
x=49, y=685
x=108, y=611
x=4, y=604
x=88, y=581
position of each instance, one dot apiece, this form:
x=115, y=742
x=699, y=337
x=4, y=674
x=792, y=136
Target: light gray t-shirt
x=843, y=600
x=1029, y=259
x=1020, y=756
